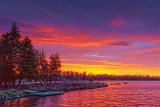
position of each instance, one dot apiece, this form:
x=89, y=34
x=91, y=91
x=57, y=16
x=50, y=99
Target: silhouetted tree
x=19, y=60
x=57, y=66
x=54, y=66
x=28, y=61
x=43, y=67
x=9, y=47
x=84, y=75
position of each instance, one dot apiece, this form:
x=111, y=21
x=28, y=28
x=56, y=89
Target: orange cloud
x=81, y=39
x=78, y=41
x=72, y=37
x=44, y=29
x=46, y=35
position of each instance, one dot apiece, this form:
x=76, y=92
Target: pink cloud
x=75, y=38
x=151, y=49
x=117, y=22
x=44, y=29
x=79, y=40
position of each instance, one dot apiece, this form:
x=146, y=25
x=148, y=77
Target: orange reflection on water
x=136, y=93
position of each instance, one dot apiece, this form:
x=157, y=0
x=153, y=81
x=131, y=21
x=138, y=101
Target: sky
x=96, y=36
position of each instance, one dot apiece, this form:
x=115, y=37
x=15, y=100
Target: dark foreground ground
x=65, y=87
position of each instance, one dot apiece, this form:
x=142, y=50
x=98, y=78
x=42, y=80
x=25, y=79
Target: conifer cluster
x=20, y=60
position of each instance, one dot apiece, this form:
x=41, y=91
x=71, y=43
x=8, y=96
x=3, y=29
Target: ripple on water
x=137, y=93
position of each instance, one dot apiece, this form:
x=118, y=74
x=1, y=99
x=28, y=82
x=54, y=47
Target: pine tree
x=43, y=67
x=57, y=64
x=54, y=66
x=27, y=62
x=84, y=75
x=9, y=47
x=51, y=67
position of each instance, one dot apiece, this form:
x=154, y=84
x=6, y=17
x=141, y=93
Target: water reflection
x=137, y=93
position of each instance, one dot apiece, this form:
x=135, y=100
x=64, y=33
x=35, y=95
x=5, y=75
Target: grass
x=67, y=86
x=11, y=93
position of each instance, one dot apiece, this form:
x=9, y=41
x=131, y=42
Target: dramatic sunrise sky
x=97, y=36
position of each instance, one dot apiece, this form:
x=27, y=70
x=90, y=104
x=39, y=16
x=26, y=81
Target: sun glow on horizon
x=107, y=69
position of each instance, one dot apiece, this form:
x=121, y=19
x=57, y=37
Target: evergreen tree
x=54, y=66
x=51, y=67
x=84, y=75
x=27, y=62
x=9, y=47
x=43, y=67
x=19, y=60
x=57, y=64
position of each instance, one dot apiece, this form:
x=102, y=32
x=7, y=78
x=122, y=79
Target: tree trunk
x=49, y=82
x=19, y=84
x=44, y=81
x=35, y=81
x=41, y=82
x=13, y=84
x=7, y=85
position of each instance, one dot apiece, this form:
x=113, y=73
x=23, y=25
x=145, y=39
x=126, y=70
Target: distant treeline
x=77, y=76
x=124, y=77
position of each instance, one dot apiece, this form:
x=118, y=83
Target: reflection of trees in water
x=22, y=102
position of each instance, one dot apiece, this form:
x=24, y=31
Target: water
x=137, y=93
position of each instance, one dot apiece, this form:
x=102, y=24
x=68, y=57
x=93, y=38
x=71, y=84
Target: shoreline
x=49, y=90
x=127, y=80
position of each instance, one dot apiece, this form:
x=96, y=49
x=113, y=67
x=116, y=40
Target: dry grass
x=67, y=86
x=11, y=93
